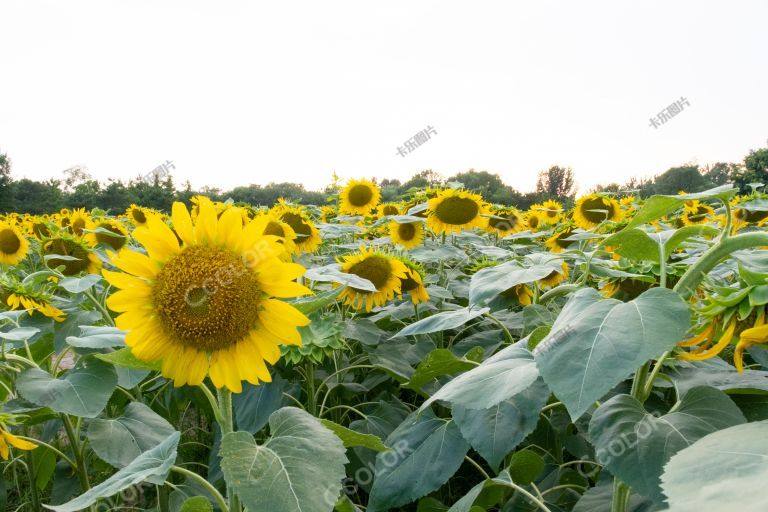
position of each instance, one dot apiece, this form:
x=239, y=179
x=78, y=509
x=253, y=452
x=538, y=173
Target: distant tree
x=556, y=182
x=85, y=194
x=115, y=197
x=720, y=173
x=479, y=182
x=684, y=178
x=6, y=194
x=611, y=187
x=426, y=178
x=755, y=170
x=37, y=197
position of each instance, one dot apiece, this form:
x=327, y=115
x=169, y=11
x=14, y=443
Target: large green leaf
x=255, y=404
x=152, y=465
x=635, y=244
x=600, y=499
x=717, y=373
x=657, y=206
x=496, y=431
x=596, y=343
x=120, y=440
x=726, y=470
x=98, y=337
x=299, y=468
x=442, y=321
x=504, y=375
x=426, y=452
x=634, y=445
x=84, y=390
x=124, y=358
x=352, y=439
x=489, y=282
x=438, y=363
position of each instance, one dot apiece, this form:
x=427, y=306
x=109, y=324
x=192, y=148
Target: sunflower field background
x=440, y=353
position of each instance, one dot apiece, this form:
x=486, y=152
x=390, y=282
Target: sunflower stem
x=227, y=425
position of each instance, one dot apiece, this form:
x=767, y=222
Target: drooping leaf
x=98, y=337
x=152, y=465
x=725, y=470
x=634, y=445
x=83, y=391
x=300, y=467
x=120, y=440
x=442, y=321
x=596, y=343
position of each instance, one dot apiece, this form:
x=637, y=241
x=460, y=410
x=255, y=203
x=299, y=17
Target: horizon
x=511, y=90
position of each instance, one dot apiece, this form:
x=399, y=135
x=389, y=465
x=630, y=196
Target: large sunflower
x=206, y=306
x=453, y=210
x=557, y=243
x=79, y=259
x=382, y=270
x=592, y=210
x=307, y=236
x=407, y=234
x=696, y=212
x=359, y=197
x=271, y=225
x=13, y=245
x=78, y=221
x=413, y=284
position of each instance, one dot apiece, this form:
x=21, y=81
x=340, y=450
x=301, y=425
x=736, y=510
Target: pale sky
x=238, y=92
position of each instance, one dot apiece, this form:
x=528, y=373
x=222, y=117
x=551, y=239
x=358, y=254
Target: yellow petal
x=182, y=223
x=21, y=444
x=230, y=228
x=122, y=280
x=207, y=223
x=135, y=263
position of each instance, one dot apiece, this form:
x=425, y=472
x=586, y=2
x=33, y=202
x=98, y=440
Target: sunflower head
x=555, y=277
x=78, y=256
x=388, y=209
x=696, y=212
x=551, y=211
x=522, y=293
x=533, y=220
x=381, y=269
x=407, y=234
x=413, y=284
x=109, y=233
x=506, y=221
x=138, y=215
x=17, y=295
x=359, y=197
x=453, y=210
x=78, y=221
x=13, y=245
x=625, y=288
x=273, y=226
x=557, y=243
x=202, y=300
x=592, y=210
x=307, y=236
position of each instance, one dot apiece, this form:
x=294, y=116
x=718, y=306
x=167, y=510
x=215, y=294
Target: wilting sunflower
x=551, y=211
x=72, y=247
x=13, y=245
x=557, y=243
x=592, y=210
x=6, y=438
x=17, y=295
x=696, y=212
x=625, y=288
x=406, y=234
x=413, y=284
x=506, y=221
x=307, y=236
x=138, y=215
x=757, y=334
x=109, y=233
x=359, y=197
x=381, y=269
x=207, y=306
x=453, y=210
x=555, y=277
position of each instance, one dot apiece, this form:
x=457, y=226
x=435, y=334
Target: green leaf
x=634, y=445
x=98, y=337
x=333, y=273
x=84, y=390
x=635, y=244
x=124, y=358
x=596, y=343
x=255, y=404
x=196, y=504
x=656, y=207
x=600, y=498
x=525, y=466
x=490, y=282
x=120, y=440
x=438, y=363
x=152, y=465
x=502, y=376
x=311, y=304
x=79, y=284
x=717, y=373
x=685, y=233
x=300, y=467
x=426, y=452
x=351, y=439
x=442, y=321
x=725, y=470
x=496, y=431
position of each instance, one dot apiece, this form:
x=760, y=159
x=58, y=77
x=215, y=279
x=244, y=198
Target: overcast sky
x=237, y=92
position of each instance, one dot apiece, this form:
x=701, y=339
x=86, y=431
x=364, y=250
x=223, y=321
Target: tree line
x=80, y=190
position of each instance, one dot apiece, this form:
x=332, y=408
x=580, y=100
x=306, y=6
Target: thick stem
x=709, y=260
x=227, y=426
x=74, y=442
x=205, y=484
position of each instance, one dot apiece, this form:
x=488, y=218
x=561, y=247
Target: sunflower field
x=436, y=354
